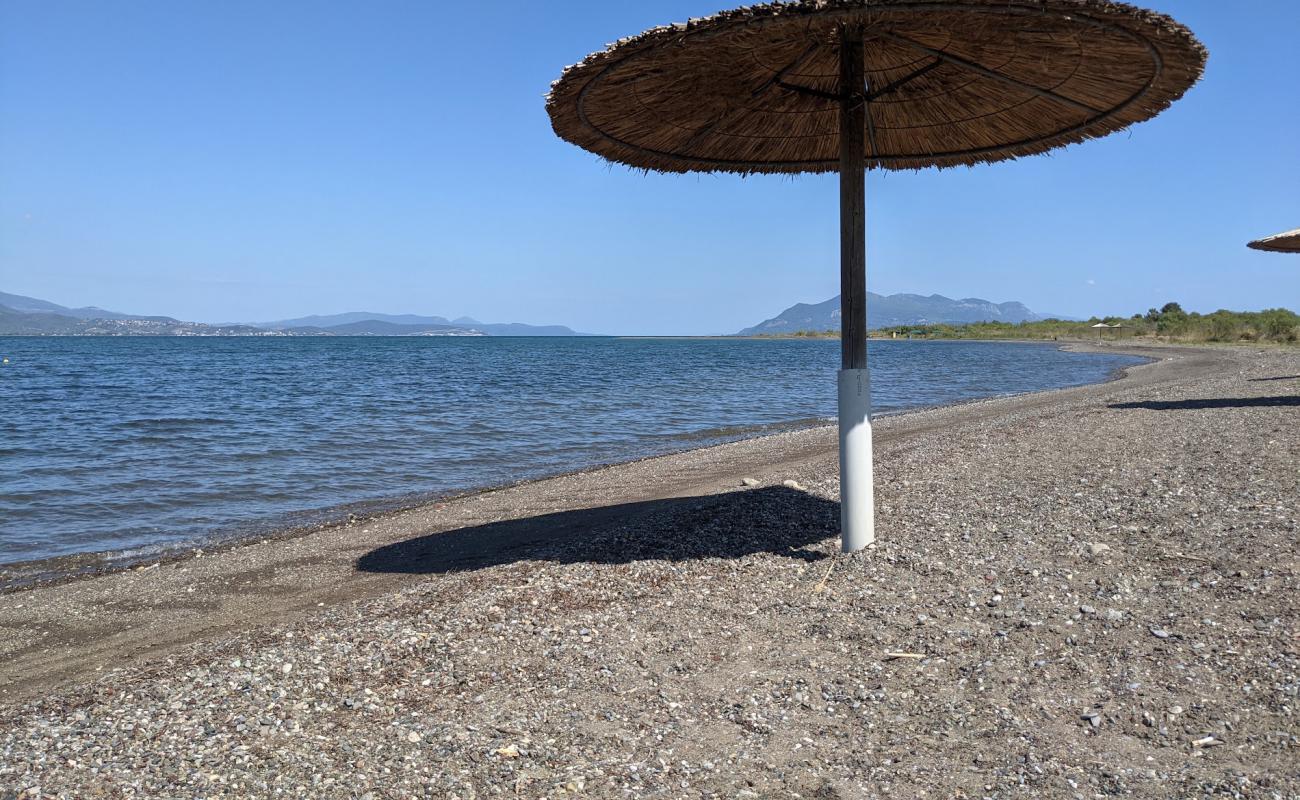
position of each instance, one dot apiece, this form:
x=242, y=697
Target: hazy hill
x=40, y=323
x=885, y=311
x=331, y=320
x=354, y=322
x=31, y=305
x=21, y=315
x=374, y=327
x=22, y=323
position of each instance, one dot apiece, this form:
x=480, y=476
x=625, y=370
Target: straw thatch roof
x=950, y=82
x=1285, y=242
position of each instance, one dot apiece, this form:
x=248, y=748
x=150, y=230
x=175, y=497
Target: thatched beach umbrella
x=848, y=85
x=1285, y=242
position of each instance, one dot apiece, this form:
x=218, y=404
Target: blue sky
x=254, y=161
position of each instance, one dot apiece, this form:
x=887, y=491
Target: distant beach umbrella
x=850, y=85
x=1285, y=242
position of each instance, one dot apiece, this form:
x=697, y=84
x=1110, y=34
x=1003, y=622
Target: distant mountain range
x=401, y=324
x=30, y=305
x=884, y=311
x=21, y=315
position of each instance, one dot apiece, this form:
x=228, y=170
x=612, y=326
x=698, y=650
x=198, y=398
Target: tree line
x=1169, y=322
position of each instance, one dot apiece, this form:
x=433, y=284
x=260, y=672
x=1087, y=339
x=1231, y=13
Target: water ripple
x=137, y=443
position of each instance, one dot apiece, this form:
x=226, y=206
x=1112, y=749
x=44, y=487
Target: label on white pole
x=857, y=496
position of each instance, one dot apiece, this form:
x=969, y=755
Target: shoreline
x=19, y=576
x=1088, y=591
x=357, y=513
x=708, y=470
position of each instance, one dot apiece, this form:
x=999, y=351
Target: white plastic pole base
x=857, y=496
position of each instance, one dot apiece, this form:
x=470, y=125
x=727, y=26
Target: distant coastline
x=1168, y=324
x=30, y=316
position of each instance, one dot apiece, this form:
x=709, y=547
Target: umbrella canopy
x=846, y=85
x=1285, y=242
x=946, y=83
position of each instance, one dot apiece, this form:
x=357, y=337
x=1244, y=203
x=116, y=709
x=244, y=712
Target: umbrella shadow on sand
x=1212, y=402
x=731, y=525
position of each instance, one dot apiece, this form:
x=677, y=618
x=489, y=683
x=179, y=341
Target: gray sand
x=1074, y=594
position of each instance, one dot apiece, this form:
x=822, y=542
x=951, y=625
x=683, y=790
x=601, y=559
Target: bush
x=1170, y=320
x=1279, y=324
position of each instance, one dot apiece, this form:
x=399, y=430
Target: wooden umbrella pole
x=857, y=502
x=853, y=201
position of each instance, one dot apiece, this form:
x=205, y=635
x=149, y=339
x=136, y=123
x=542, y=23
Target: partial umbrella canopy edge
x=1284, y=242
x=848, y=85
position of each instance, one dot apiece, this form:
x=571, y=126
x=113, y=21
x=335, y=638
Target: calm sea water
x=129, y=444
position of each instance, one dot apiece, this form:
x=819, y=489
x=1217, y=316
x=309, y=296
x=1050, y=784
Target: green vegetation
x=1168, y=323
x=831, y=334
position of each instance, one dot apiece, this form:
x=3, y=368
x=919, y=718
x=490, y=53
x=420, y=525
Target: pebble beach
x=1084, y=593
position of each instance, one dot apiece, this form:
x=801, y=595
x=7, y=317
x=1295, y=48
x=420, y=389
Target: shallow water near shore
x=132, y=445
